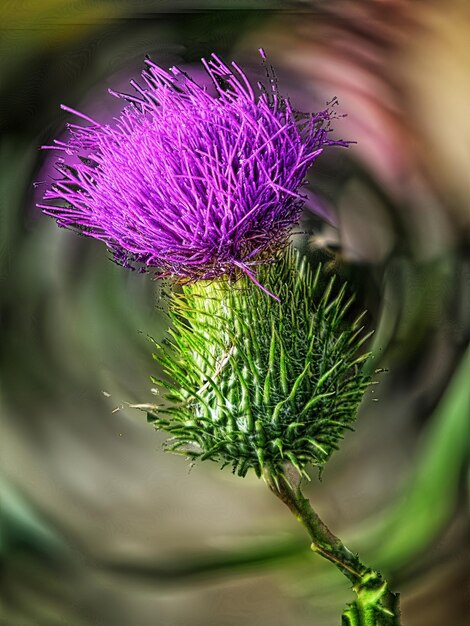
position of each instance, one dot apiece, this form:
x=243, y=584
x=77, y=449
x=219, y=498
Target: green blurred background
x=97, y=525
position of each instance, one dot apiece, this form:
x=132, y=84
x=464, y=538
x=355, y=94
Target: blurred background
x=97, y=524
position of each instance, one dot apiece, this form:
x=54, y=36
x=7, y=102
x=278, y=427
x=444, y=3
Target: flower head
x=191, y=182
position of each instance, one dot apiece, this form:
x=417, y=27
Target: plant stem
x=375, y=605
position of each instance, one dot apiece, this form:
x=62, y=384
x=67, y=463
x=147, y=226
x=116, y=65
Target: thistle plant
x=269, y=386
x=263, y=363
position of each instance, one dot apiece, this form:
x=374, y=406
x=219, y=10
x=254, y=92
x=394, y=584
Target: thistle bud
x=260, y=384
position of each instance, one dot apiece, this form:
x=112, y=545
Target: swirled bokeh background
x=99, y=526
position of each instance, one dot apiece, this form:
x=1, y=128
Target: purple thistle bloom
x=191, y=183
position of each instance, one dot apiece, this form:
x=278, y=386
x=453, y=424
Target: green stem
x=375, y=604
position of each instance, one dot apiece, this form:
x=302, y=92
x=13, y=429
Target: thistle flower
x=189, y=182
x=258, y=384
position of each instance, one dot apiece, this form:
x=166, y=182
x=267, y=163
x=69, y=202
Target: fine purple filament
x=252, y=277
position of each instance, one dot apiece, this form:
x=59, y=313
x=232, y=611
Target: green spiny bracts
x=257, y=383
